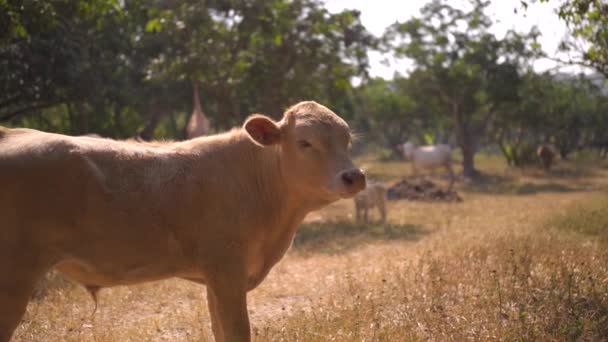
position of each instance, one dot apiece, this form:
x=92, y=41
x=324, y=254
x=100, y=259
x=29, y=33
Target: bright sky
x=376, y=15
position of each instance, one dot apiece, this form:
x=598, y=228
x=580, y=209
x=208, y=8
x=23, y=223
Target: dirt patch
x=423, y=190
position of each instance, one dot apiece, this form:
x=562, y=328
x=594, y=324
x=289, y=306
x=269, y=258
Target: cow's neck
x=271, y=208
x=257, y=205
x=275, y=224
x=282, y=203
x=251, y=175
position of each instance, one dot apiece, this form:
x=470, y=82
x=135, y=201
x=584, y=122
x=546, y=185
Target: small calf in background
x=373, y=196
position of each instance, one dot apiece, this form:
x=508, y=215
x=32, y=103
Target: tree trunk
x=224, y=106
x=148, y=131
x=83, y=119
x=468, y=159
x=466, y=140
x=224, y=111
x=118, y=130
x=503, y=148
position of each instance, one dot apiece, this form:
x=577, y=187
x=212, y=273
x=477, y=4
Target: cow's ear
x=262, y=130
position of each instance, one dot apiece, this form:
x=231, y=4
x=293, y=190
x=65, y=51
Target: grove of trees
x=127, y=68
x=119, y=68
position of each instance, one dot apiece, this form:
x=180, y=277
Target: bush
x=522, y=155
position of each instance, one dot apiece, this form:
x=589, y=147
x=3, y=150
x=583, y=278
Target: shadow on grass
x=566, y=170
x=533, y=188
x=521, y=188
x=508, y=185
x=334, y=237
x=491, y=183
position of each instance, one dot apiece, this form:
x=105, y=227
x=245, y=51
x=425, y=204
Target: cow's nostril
x=353, y=178
x=347, y=177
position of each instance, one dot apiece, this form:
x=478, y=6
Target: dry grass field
x=522, y=257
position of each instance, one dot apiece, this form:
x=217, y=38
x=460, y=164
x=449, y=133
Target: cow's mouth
x=349, y=193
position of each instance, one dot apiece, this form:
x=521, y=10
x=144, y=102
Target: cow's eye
x=304, y=144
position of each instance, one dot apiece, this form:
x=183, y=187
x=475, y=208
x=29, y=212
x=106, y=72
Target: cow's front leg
x=215, y=325
x=382, y=209
x=227, y=299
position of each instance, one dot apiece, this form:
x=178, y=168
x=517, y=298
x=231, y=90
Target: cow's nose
x=354, y=179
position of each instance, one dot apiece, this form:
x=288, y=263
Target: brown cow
x=546, y=154
x=219, y=210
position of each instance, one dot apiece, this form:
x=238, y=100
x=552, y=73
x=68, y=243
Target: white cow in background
x=429, y=157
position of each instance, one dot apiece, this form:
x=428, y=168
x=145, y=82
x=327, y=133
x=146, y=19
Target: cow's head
x=314, y=145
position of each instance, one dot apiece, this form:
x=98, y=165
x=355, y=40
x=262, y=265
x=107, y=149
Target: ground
x=510, y=261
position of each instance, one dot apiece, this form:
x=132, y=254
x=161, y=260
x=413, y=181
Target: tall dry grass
x=536, y=287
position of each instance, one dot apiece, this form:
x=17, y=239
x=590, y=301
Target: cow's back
x=433, y=155
x=98, y=201
x=28, y=156
x=42, y=192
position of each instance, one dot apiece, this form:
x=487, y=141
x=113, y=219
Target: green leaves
x=535, y=45
x=154, y=25
x=97, y=64
x=588, y=21
x=278, y=39
x=470, y=73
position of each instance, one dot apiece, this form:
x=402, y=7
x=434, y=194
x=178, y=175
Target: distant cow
x=218, y=210
x=546, y=154
x=373, y=196
x=429, y=157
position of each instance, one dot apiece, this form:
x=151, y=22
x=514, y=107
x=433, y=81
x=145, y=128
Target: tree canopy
x=588, y=38
x=126, y=68
x=471, y=72
x=114, y=68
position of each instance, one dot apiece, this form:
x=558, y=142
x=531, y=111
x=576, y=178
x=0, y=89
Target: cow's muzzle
x=353, y=180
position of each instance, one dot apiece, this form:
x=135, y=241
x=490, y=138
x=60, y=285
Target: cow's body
x=429, y=157
x=219, y=210
x=546, y=155
x=373, y=196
